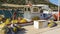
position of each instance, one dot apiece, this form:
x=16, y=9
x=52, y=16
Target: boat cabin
x=25, y=11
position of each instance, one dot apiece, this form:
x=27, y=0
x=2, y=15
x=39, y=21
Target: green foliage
x=13, y=1
x=23, y=2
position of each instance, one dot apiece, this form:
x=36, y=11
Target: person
x=2, y=19
x=19, y=19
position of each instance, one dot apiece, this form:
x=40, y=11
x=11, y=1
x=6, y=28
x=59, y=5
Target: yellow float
x=51, y=23
x=23, y=21
x=7, y=21
x=14, y=21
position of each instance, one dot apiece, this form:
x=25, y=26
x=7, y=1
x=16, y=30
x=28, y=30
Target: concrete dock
x=31, y=30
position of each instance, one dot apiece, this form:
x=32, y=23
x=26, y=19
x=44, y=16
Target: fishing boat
x=26, y=11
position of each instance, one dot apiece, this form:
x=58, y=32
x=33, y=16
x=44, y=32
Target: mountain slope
x=23, y=2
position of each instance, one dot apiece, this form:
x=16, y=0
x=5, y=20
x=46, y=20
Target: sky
x=56, y=2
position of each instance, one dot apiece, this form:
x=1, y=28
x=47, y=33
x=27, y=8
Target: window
x=29, y=9
x=41, y=11
x=35, y=9
x=25, y=9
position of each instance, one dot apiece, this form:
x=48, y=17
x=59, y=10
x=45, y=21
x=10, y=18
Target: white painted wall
x=29, y=15
x=53, y=12
x=35, y=14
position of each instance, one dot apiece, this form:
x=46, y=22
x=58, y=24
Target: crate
x=40, y=24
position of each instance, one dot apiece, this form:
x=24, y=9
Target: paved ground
x=55, y=31
x=29, y=29
x=32, y=30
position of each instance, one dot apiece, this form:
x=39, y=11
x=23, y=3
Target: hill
x=23, y=2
